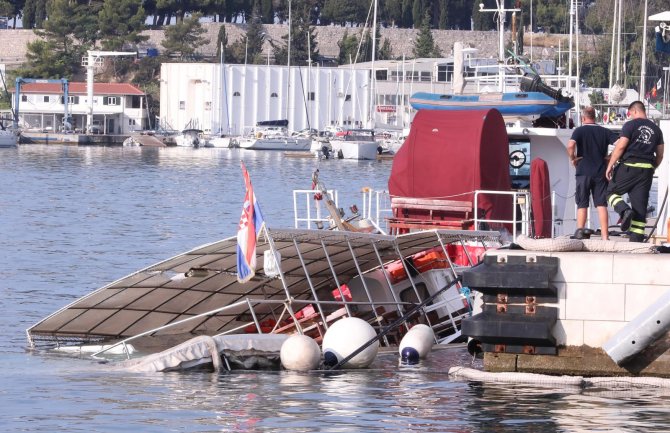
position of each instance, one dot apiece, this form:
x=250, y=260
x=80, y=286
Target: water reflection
x=75, y=218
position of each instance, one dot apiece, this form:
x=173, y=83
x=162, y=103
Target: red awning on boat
x=450, y=154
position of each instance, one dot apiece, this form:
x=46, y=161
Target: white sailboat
x=274, y=135
x=9, y=137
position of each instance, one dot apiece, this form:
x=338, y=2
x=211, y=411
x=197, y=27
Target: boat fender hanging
x=344, y=337
x=416, y=344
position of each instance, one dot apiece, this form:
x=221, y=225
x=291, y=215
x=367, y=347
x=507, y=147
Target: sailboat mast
x=643, y=66
x=618, y=47
x=288, y=60
x=614, y=26
x=371, y=112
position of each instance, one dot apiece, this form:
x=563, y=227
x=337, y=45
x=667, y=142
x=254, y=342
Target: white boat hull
x=276, y=143
x=8, y=139
x=219, y=142
x=361, y=150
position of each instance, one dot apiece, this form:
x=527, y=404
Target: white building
x=228, y=99
x=118, y=108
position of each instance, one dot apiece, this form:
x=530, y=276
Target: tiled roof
x=80, y=88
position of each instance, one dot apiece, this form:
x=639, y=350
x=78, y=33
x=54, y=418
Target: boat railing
x=311, y=213
x=295, y=322
x=519, y=199
x=377, y=207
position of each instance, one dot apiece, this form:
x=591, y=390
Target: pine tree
x=120, y=23
x=443, y=15
x=424, y=46
x=221, y=41
x=183, y=39
x=302, y=31
x=267, y=12
x=348, y=46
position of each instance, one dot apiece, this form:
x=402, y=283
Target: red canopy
x=450, y=154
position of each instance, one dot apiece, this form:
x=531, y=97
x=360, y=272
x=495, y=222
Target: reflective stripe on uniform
x=614, y=199
x=639, y=164
x=636, y=227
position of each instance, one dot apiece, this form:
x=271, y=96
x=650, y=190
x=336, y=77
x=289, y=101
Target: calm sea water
x=75, y=218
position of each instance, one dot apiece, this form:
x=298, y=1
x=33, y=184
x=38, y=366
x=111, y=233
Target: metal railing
x=313, y=212
x=521, y=198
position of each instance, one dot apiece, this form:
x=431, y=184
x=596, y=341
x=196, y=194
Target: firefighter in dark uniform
x=637, y=153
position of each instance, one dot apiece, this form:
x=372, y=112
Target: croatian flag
x=251, y=223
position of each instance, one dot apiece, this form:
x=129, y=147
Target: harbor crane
x=67, y=124
x=93, y=59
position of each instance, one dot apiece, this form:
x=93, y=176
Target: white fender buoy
x=416, y=344
x=344, y=337
x=300, y=353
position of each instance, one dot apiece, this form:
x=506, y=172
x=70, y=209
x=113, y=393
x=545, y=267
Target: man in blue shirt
x=638, y=151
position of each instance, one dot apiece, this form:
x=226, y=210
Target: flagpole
x=643, y=66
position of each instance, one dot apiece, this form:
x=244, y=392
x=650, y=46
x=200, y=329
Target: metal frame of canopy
x=197, y=293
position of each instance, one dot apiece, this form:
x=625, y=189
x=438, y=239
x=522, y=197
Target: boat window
x=24, y=98
x=519, y=163
x=274, y=95
x=347, y=97
x=446, y=96
x=311, y=96
x=521, y=95
x=236, y=94
x=408, y=295
x=46, y=98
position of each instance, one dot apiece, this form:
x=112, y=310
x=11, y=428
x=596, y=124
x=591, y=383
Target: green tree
x=385, y=52
x=58, y=53
x=303, y=41
x=483, y=20
x=345, y=11
x=267, y=12
x=406, y=15
x=180, y=8
x=348, y=48
x=120, y=23
x=424, y=46
x=184, y=38
x=221, y=41
x=553, y=15
x=34, y=13
x=392, y=11
x=417, y=14
x=444, y=15
x=12, y=9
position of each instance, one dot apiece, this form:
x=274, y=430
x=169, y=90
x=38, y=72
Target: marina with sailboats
x=465, y=232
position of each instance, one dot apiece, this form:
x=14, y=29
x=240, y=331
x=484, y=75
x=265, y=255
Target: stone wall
x=13, y=42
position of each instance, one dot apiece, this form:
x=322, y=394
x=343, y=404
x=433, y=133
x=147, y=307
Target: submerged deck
x=197, y=293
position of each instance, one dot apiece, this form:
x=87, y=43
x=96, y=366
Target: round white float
x=344, y=337
x=416, y=344
x=300, y=353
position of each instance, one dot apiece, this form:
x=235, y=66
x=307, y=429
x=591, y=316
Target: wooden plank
x=431, y=205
